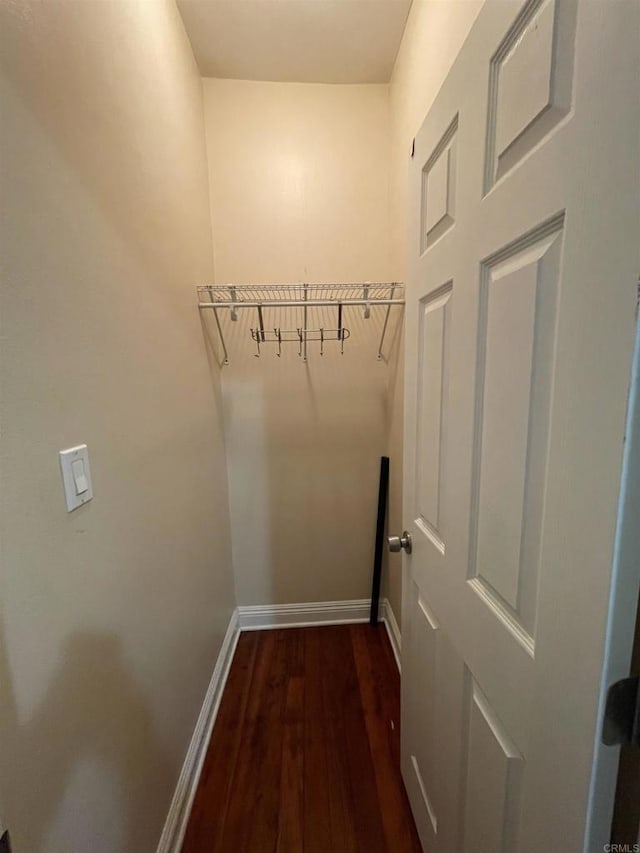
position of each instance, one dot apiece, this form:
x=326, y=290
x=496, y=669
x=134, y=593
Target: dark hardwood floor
x=305, y=752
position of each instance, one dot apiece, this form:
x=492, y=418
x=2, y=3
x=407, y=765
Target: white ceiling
x=306, y=41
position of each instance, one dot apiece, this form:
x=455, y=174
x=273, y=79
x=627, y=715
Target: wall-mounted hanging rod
x=296, y=303
x=258, y=297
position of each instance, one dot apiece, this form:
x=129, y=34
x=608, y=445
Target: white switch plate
x=77, y=483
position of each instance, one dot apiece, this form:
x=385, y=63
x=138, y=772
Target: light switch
x=76, y=476
x=79, y=477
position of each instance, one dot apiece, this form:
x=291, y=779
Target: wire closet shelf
x=259, y=297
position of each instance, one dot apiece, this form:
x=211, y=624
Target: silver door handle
x=398, y=543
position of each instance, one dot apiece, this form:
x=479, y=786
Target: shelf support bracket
x=306, y=296
x=385, y=324
x=217, y=319
x=260, y=321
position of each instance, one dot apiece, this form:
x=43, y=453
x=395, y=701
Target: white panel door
x=521, y=296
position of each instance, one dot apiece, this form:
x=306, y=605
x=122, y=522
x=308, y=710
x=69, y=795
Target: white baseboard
x=176, y=823
x=303, y=615
x=393, y=630
x=253, y=619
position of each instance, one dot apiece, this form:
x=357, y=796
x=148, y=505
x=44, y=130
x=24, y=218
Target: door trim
x=621, y=621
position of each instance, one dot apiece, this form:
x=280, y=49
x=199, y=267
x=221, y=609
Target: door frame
x=623, y=607
x=625, y=827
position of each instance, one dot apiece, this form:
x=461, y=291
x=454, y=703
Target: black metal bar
x=377, y=559
x=261, y=322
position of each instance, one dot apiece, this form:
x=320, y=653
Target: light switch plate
x=76, y=477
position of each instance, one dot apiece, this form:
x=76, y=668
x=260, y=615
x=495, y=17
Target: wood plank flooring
x=305, y=753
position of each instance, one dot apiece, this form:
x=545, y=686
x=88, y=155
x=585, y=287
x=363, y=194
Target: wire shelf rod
x=301, y=286
x=298, y=303
x=326, y=293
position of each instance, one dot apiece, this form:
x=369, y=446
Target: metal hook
x=278, y=333
x=321, y=341
x=300, y=342
x=256, y=337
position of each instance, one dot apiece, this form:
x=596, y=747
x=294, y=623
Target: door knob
x=398, y=543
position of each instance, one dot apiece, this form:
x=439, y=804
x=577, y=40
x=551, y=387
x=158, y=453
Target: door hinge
x=622, y=713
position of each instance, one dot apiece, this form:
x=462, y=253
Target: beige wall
x=299, y=189
x=112, y=616
x=297, y=181
x=435, y=32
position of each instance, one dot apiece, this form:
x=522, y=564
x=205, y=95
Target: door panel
x=434, y=714
x=432, y=392
x=439, y=188
x=518, y=289
x=530, y=83
x=519, y=336
x=423, y=760
x=494, y=771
